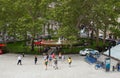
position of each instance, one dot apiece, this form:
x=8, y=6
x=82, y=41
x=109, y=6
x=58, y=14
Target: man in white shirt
x=19, y=60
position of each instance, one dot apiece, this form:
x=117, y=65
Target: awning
x=2, y=45
x=37, y=43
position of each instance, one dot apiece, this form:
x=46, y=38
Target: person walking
x=60, y=55
x=23, y=54
x=45, y=57
x=118, y=66
x=69, y=61
x=19, y=60
x=46, y=64
x=35, y=60
x=55, y=63
x=50, y=60
x=53, y=55
x=63, y=59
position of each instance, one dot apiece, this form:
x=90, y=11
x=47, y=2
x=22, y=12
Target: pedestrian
x=23, y=54
x=46, y=64
x=45, y=57
x=69, y=61
x=35, y=60
x=50, y=60
x=53, y=55
x=60, y=55
x=63, y=58
x=118, y=66
x=19, y=60
x=55, y=63
x=113, y=68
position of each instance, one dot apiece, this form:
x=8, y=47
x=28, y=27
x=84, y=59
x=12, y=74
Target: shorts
x=59, y=57
x=70, y=62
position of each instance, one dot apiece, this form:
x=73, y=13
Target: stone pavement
x=79, y=69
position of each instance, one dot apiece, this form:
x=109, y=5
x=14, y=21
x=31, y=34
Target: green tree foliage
x=18, y=17
x=94, y=14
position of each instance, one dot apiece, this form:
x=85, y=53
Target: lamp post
x=109, y=48
x=107, y=60
x=109, y=51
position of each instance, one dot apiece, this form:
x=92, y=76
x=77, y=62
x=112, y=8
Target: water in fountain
x=59, y=41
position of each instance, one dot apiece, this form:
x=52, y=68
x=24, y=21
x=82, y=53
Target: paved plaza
x=79, y=68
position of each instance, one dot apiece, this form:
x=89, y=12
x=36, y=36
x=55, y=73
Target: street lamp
x=109, y=51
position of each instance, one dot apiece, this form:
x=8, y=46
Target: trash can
x=107, y=64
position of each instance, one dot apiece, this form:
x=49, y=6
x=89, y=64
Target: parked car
x=88, y=51
x=118, y=42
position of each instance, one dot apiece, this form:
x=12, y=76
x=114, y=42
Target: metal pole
x=109, y=51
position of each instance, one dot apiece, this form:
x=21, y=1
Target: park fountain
x=50, y=43
x=59, y=41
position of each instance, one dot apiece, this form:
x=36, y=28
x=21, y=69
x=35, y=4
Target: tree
x=95, y=15
x=33, y=12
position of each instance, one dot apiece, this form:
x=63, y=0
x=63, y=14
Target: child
x=63, y=59
x=60, y=55
x=46, y=63
x=23, y=54
x=55, y=63
x=19, y=60
x=50, y=60
x=35, y=59
x=53, y=56
x=69, y=61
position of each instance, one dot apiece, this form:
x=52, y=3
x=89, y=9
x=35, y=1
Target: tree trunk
x=44, y=29
x=14, y=33
x=32, y=44
x=25, y=36
x=91, y=36
x=97, y=37
x=33, y=37
x=48, y=28
x=104, y=36
x=4, y=34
